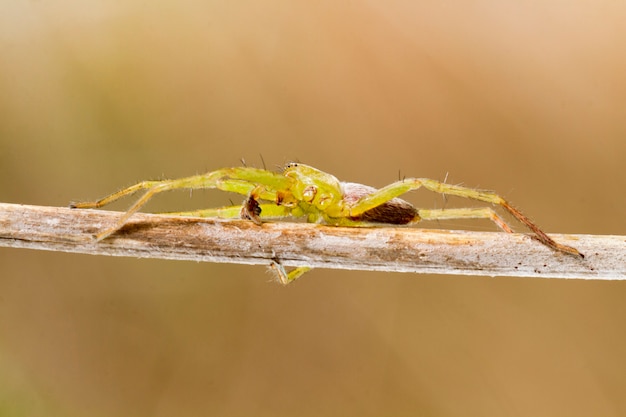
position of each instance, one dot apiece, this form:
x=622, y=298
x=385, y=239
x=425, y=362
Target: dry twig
x=302, y=244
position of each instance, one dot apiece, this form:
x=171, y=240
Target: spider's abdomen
x=394, y=211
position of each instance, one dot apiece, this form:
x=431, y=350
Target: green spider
x=303, y=191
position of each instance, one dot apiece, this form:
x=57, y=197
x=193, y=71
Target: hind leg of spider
x=465, y=213
x=287, y=277
x=400, y=187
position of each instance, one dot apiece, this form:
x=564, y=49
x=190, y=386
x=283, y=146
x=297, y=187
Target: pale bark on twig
x=301, y=244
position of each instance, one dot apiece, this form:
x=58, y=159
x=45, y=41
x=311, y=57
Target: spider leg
x=400, y=187
x=240, y=180
x=268, y=211
x=287, y=277
x=154, y=189
x=115, y=196
x=465, y=213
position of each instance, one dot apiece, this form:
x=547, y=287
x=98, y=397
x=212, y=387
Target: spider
x=303, y=191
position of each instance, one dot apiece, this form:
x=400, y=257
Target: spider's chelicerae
x=301, y=190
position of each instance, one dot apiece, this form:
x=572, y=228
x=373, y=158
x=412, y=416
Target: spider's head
x=313, y=186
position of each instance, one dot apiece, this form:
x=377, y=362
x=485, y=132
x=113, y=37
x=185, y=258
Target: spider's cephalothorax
x=303, y=191
x=314, y=187
x=328, y=200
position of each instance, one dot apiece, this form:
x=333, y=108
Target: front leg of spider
x=239, y=180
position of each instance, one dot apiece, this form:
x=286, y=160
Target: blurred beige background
x=528, y=99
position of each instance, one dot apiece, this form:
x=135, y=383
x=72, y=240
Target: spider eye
x=291, y=165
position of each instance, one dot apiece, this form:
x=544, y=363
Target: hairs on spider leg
x=444, y=195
